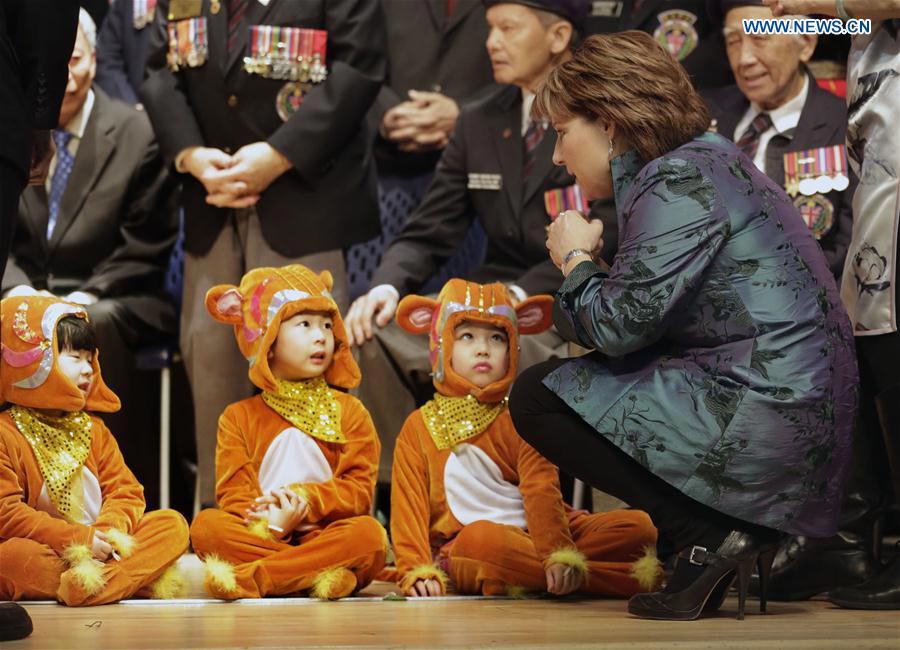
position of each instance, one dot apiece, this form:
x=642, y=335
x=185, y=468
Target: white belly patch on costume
x=476, y=489
x=86, y=509
x=293, y=457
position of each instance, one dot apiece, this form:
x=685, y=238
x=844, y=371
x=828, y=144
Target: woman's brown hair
x=627, y=79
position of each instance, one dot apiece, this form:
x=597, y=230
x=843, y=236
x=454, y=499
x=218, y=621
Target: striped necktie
x=236, y=11
x=749, y=141
x=64, y=162
x=533, y=136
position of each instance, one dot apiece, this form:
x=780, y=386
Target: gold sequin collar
x=452, y=420
x=310, y=406
x=60, y=445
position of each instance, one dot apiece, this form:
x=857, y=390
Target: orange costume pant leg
x=160, y=538
x=29, y=570
x=268, y=567
x=491, y=558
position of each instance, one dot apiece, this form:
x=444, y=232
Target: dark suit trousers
x=135, y=426
x=12, y=182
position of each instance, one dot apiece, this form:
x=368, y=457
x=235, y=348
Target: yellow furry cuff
x=76, y=553
x=171, y=584
x=260, y=528
x=570, y=557
x=121, y=541
x=647, y=570
x=220, y=573
x=424, y=572
x=300, y=491
x=87, y=572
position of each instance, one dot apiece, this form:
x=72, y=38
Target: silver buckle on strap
x=694, y=551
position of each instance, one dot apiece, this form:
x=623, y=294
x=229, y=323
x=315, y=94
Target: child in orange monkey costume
x=72, y=521
x=472, y=500
x=296, y=465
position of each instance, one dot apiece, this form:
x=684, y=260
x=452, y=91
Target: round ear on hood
x=535, y=314
x=414, y=314
x=224, y=303
x=327, y=279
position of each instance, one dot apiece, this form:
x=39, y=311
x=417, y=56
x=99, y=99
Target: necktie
x=450, y=8
x=749, y=141
x=236, y=11
x=533, y=136
x=64, y=162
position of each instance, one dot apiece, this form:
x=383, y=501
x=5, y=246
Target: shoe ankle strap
x=698, y=555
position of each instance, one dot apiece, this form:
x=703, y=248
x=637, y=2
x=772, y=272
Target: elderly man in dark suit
x=497, y=167
x=99, y=233
x=275, y=157
x=794, y=131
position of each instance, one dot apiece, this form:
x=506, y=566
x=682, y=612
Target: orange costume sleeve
x=123, y=497
x=545, y=511
x=237, y=482
x=20, y=487
x=411, y=507
x=355, y=469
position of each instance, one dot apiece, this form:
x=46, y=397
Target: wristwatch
x=575, y=252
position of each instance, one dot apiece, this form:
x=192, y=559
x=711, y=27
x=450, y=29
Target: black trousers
x=557, y=432
x=12, y=182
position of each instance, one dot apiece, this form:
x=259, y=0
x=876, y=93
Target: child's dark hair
x=74, y=333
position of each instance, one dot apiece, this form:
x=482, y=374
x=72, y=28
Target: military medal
x=287, y=54
x=188, y=44
x=289, y=98
x=215, y=6
x=676, y=32
x=840, y=181
x=143, y=11
x=565, y=198
x=817, y=213
x=816, y=171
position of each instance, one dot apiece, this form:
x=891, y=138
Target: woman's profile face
x=582, y=147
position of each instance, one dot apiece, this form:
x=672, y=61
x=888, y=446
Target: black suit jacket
x=121, y=53
x=329, y=199
x=117, y=221
x=707, y=63
x=36, y=40
x=428, y=51
x=823, y=122
x=487, y=140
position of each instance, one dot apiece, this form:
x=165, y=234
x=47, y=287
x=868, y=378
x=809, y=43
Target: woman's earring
x=611, y=146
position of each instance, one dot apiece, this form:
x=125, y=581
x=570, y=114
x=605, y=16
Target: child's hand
x=425, y=588
x=563, y=579
x=283, y=509
x=100, y=548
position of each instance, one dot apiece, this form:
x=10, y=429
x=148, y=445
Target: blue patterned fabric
x=64, y=162
x=724, y=358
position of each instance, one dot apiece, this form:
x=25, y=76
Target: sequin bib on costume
x=452, y=420
x=60, y=445
x=310, y=406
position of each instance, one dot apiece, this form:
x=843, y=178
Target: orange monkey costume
x=63, y=477
x=303, y=435
x=471, y=499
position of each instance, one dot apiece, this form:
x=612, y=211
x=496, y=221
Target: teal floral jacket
x=724, y=361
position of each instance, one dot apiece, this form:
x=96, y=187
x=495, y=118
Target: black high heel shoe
x=734, y=559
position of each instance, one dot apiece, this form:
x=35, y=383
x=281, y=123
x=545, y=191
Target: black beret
x=575, y=11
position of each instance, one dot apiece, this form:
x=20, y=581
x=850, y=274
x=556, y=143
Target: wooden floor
x=447, y=623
